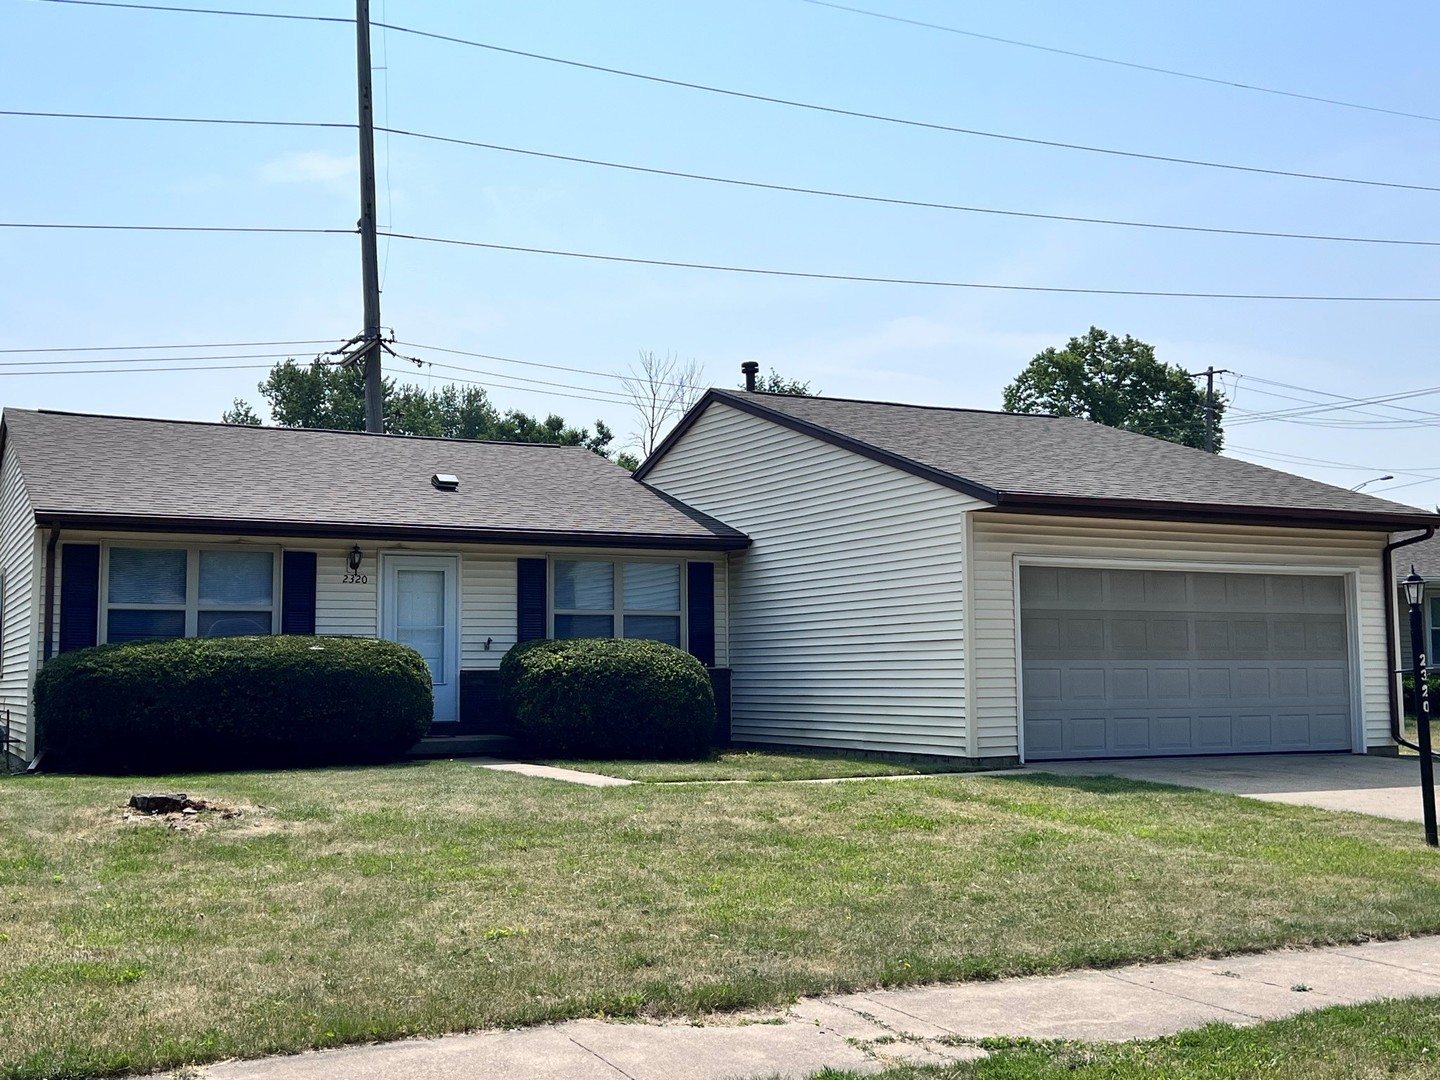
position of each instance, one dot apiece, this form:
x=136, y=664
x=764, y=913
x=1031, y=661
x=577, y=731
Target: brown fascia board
x=1068, y=505
x=371, y=531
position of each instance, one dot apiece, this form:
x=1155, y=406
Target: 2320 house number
x=355, y=579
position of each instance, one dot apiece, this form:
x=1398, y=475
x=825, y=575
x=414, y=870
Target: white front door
x=420, y=608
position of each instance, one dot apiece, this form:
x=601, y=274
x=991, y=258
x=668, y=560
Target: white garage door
x=1132, y=663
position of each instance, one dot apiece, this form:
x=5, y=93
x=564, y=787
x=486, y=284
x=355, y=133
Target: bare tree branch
x=661, y=391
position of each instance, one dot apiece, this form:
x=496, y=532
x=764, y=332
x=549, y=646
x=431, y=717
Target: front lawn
x=350, y=904
x=758, y=765
x=1392, y=1039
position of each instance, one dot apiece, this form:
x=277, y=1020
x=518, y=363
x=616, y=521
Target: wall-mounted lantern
x=355, y=558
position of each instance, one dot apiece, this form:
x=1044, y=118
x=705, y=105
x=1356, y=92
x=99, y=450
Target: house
x=856, y=575
x=999, y=587
x=1424, y=558
x=113, y=529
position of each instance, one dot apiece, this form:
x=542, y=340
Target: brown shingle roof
x=82, y=468
x=1039, y=462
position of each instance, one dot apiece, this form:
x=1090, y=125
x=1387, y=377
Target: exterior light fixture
x=1414, y=594
x=1372, y=480
x=354, y=559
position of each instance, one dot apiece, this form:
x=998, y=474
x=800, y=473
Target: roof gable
x=1061, y=464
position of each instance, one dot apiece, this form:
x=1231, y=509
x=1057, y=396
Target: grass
x=346, y=905
x=1391, y=1039
x=757, y=765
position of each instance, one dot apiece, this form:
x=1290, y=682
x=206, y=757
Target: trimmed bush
x=603, y=698
x=225, y=703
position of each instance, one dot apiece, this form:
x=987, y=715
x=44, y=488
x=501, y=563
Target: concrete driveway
x=1383, y=786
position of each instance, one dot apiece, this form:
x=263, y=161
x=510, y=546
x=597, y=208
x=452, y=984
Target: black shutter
x=79, y=596
x=297, y=592
x=530, y=599
x=701, y=582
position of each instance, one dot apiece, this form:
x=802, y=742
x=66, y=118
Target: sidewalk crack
x=1385, y=963
x=1181, y=997
x=902, y=1012
x=600, y=1057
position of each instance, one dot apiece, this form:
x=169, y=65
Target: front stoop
x=444, y=746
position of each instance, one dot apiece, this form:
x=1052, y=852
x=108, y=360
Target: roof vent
x=446, y=481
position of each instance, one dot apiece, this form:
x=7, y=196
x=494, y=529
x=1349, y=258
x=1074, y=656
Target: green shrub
x=239, y=702
x=599, y=697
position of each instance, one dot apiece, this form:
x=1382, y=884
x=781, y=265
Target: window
x=617, y=599
x=1434, y=638
x=154, y=592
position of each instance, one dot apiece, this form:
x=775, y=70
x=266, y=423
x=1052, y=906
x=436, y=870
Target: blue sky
x=906, y=343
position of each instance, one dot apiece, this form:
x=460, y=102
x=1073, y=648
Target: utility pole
x=1209, y=374
x=369, y=352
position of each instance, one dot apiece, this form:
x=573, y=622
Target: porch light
x=1414, y=588
x=354, y=559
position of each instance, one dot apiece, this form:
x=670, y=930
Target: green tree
x=774, y=383
x=1117, y=382
x=240, y=413
x=326, y=396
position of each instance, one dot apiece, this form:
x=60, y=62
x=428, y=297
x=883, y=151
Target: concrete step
x=462, y=746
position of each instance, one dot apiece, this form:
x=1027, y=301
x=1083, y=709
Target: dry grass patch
x=434, y=897
x=758, y=766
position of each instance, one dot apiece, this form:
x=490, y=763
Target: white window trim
x=618, y=611
x=191, y=607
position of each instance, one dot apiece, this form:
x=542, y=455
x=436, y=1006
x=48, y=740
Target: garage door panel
x=1124, y=662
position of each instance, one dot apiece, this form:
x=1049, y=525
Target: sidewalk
x=869, y=1031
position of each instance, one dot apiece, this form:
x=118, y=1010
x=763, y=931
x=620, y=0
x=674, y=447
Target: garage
x=1144, y=663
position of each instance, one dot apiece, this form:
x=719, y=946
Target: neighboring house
x=998, y=587
x=113, y=529
x=1424, y=558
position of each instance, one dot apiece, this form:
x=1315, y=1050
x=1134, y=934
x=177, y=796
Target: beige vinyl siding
x=846, y=616
x=19, y=547
x=487, y=585
x=998, y=538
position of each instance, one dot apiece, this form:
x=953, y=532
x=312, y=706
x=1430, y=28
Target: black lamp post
x=1414, y=593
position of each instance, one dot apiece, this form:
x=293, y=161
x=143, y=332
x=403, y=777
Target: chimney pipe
x=751, y=368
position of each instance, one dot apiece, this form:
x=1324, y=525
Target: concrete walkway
x=1383, y=786
x=867, y=1032
x=550, y=772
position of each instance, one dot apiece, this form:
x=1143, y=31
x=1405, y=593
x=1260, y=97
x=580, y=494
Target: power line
x=140, y=371
x=202, y=11
x=158, y=348
x=71, y=360
x=169, y=228
x=526, y=363
x=1126, y=63
x=529, y=389
x=729, y=181
x=1315, y=409
x=44, y=115
x=816, y=276
x=747, y=96
x=902, y=121
x=891, y=201
x=1332, y=464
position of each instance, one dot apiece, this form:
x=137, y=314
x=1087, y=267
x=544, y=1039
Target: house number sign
x=355, y=579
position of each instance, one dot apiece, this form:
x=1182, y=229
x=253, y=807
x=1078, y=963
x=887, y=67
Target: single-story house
x=114, y=529
x=859, y=575
x=994, y=586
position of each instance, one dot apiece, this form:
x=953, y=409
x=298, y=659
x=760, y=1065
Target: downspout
x=50, y=591
x=1387, y=573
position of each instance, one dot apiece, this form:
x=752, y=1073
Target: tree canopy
x=326, y=396
x=1117, y=382
x=772, y=382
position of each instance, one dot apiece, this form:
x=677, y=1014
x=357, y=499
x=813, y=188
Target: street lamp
x=1414, y=593
x=1372, y=480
